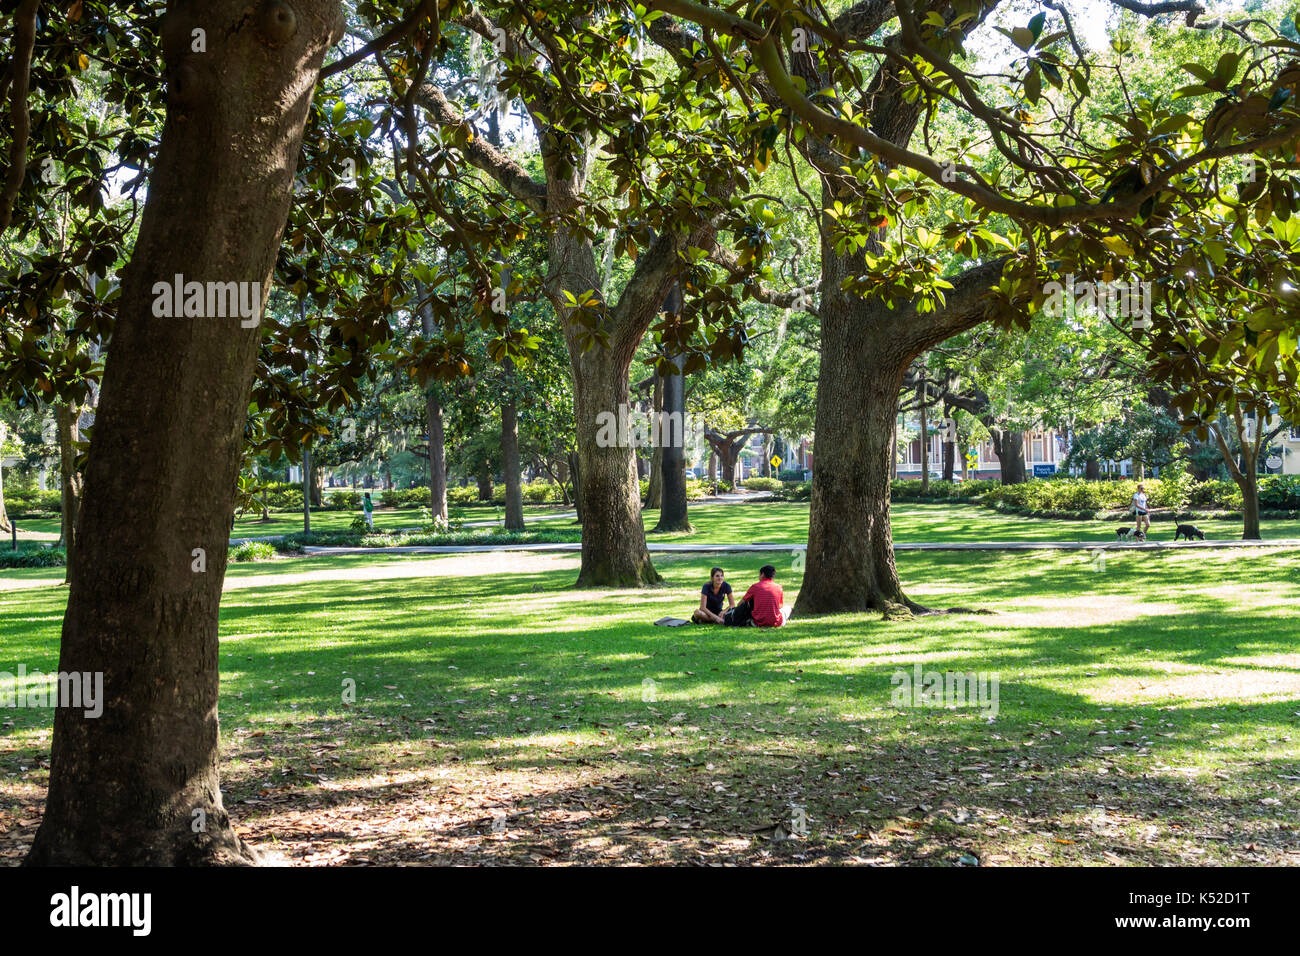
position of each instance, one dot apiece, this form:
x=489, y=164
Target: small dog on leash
x=1126, y=534
x=1188, y=531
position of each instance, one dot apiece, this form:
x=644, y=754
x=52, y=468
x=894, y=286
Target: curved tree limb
x=20, y=70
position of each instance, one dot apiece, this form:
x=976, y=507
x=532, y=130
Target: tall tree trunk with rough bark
x=614, y=553
x=1009, y=444
x=654, y=490
x=317, y=484
x=574, y=472
x=437, y=456
x=70, y=482
x=949, y=446
x=139, y=784
x=5, y=526
x=925, y=439
x=1243, y=469
x=510, y=466
x=850, y=559
x=672, y=446
x=1249, y=485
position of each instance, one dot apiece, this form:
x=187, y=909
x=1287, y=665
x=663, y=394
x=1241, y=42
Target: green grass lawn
x=764, y=522
x=386, y=519
x=282, y=522
x=787, y=523
x=1148, y=713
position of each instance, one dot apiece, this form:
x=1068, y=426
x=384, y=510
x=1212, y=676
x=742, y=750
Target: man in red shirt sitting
x=766, y=598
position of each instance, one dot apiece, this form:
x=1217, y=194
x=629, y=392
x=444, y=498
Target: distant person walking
x=368, y=507
x=1140, y=511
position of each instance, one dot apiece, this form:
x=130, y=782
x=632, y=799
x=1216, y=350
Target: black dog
x=1123, y=533
x=1188, y=531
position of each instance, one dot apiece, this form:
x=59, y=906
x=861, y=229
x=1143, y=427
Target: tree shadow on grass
x=498, y=681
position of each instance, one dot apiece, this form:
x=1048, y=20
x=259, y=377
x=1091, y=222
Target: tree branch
x=21, y=71
x=483, y=155
x=428, y=9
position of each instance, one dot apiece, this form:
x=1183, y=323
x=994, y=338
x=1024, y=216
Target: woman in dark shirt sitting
x=711, y=595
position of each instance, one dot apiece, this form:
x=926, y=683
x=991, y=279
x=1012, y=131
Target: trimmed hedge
x=294, y=543
x=252, y=551
x=402, y=497
x=33, y=556
x=909, y=489
x=34, y=504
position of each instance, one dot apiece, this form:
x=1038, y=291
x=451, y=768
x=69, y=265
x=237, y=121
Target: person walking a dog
x=1140, y=511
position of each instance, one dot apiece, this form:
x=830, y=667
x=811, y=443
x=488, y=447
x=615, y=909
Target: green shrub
x=905, y=488
x=403, y=497
x=294, y=543
x=764, y=484
x=34, y=504
x=1214, y=494
x=1279, y=491
x=281, y=496
x=1068, y=494
x=343, y=500
x=1171, y=491
x=32, y=556
x=252, y=551
x=459, y=495
x=541, y=492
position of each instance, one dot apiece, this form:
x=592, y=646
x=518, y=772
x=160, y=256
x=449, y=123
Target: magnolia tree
x=1061, y=165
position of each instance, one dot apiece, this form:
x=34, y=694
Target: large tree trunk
x=728, y=453
x=317, y=484
x=850, y=560
x=437, y=437
x=614, y=552
x=5, y=526
x=437, y=457
x=306, y=492
x=654, y=490
x=510, y=457
x=1009, y=444
x=1247, y=478
x=1242, y=469
x=1248, y=482
x=925, y=439
x=1092, y=469
x=484, y=480
x=139, y=784
x=70, y=481
x=672, y=446
x=949, y=455
x=893, y=448
x=575, y=471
